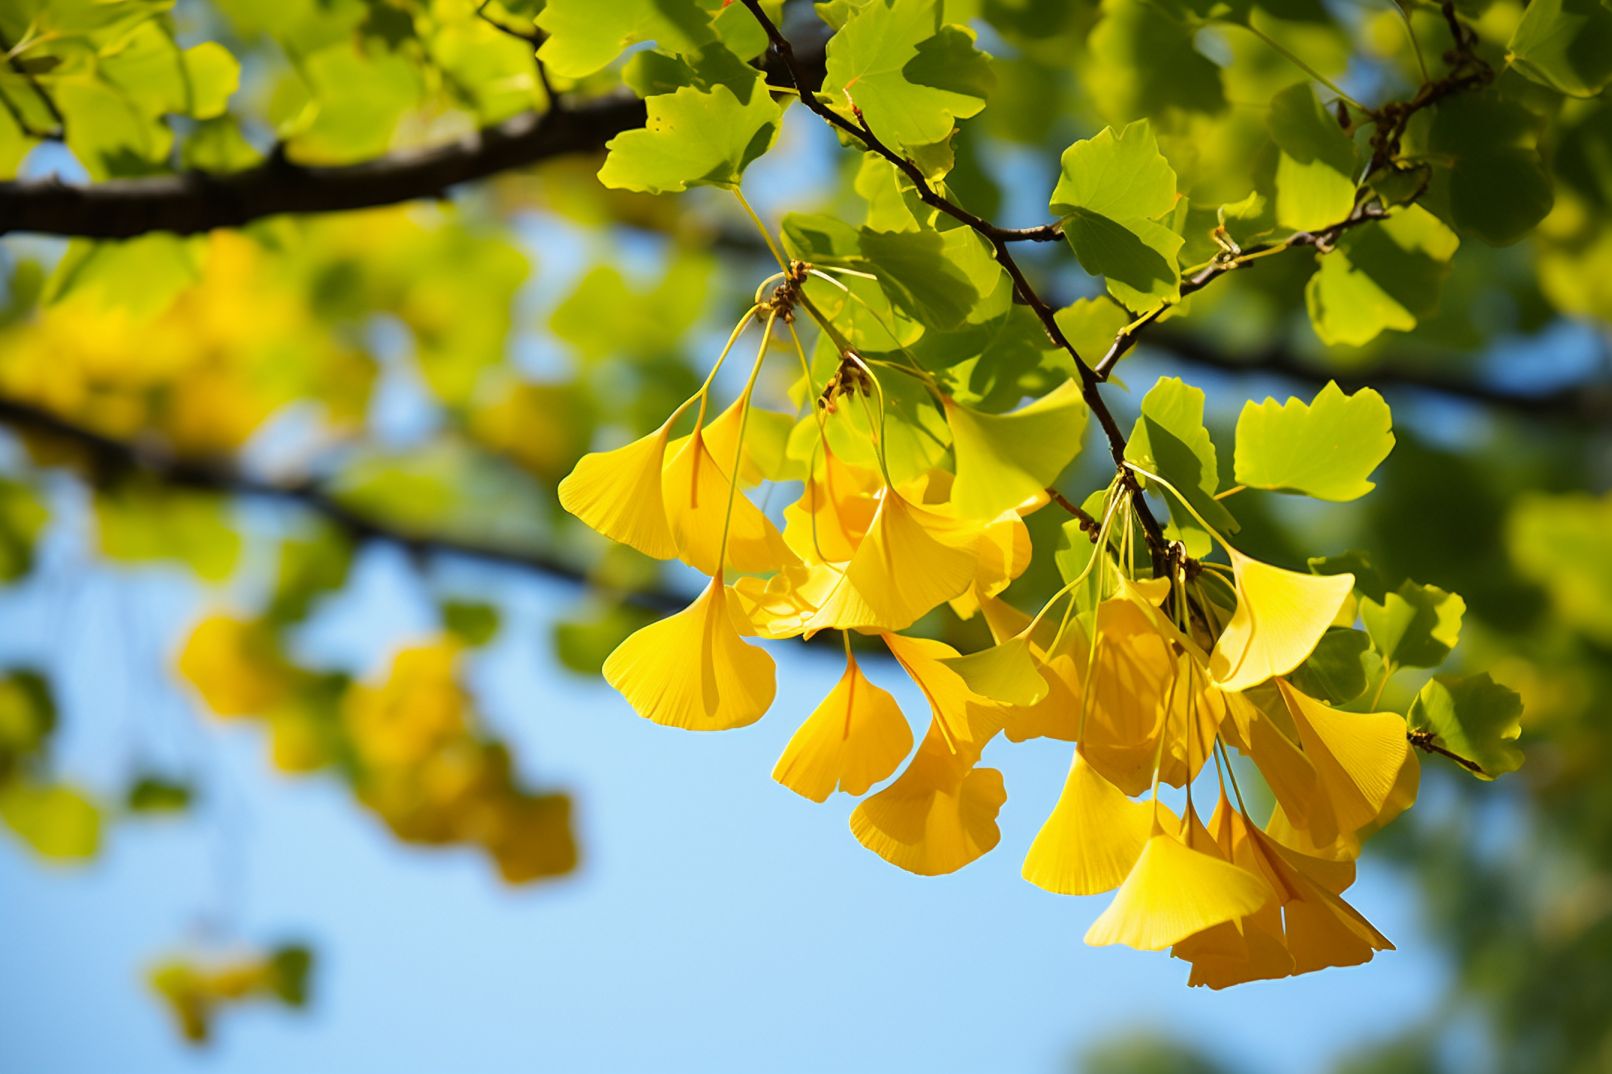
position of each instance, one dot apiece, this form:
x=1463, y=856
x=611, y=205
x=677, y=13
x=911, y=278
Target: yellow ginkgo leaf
x=1357, y=757
x=938, y=816
x=1091, y=840
x=1321, y=929
x=618, y=493
x=964, y=719
x=1132, y=684
x=1004, y=459
x=855, y=738
x=1006, y=673
x=1280, y=617
x=1003, y=552
x=1173, y=892
x=1251, y=948
x=765, y=433
x=693, y=670
x=695, y=487
x=911, y=560
x=834, y=511
x=1056, y=715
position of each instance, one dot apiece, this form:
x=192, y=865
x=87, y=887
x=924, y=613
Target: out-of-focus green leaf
x=157, y=795
x=23, y=516
x=1564, y=544
x=1565, y=44
x=57, y=821
x=1316, y=168
x=474, y=622
x=584, y=36
x=1383, y=277
x=140, y=525
x=1496, y=183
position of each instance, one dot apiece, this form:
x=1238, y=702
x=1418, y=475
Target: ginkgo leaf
x=697, y=494
x=1169, y=439
x=1005, y=673
x=1316, y=166
x=1381, y=278
x=1173, y=892
x=851, y=741
x=1415, y=626
x=1475, y=718
x=692, y=137
x=618, y=493
x=1326, y=449
x=584, y=36
x=1280, y=618
x=911, y=77
x=693, y=670
x=1092, y=838
x=1496, y=183
x=1111, y=190
x=1565, y=44
x=940, y=813
x=1357, y=759
x=1004, y=459
x=910, y=561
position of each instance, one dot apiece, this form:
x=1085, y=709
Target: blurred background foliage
x=257, y=406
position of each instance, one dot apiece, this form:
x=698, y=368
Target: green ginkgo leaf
x=1316, y=166
x=1326, y=449
x=1414, y=626
x=1566, y=45
x=1169, y=439
x=1004, y=459
x=692, y=137
x=1475, y=718
x=584, y=36
x=1111, y=190
x=1381, y=277
x=911, y=77
x=1496, y=185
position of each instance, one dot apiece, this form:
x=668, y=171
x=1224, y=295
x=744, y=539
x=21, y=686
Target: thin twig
x=999, y=239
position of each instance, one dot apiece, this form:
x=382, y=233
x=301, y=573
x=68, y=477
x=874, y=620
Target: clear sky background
x=717, y=923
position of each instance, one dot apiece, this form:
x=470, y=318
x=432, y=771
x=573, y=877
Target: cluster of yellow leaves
x=410, y=739
x=434, y=781
x=203, y=370
x=1151, y=679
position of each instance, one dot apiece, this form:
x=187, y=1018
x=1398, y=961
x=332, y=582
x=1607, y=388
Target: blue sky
x=718, y=922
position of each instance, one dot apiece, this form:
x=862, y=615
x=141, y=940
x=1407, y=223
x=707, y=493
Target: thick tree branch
x=113, y=458
x=192, y=202
x=189, y=203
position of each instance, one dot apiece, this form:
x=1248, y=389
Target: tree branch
x=192, y=202
x=189, y=203
x=114, y=457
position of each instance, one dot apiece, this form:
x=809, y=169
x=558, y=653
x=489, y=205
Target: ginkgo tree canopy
x=1215, y=390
